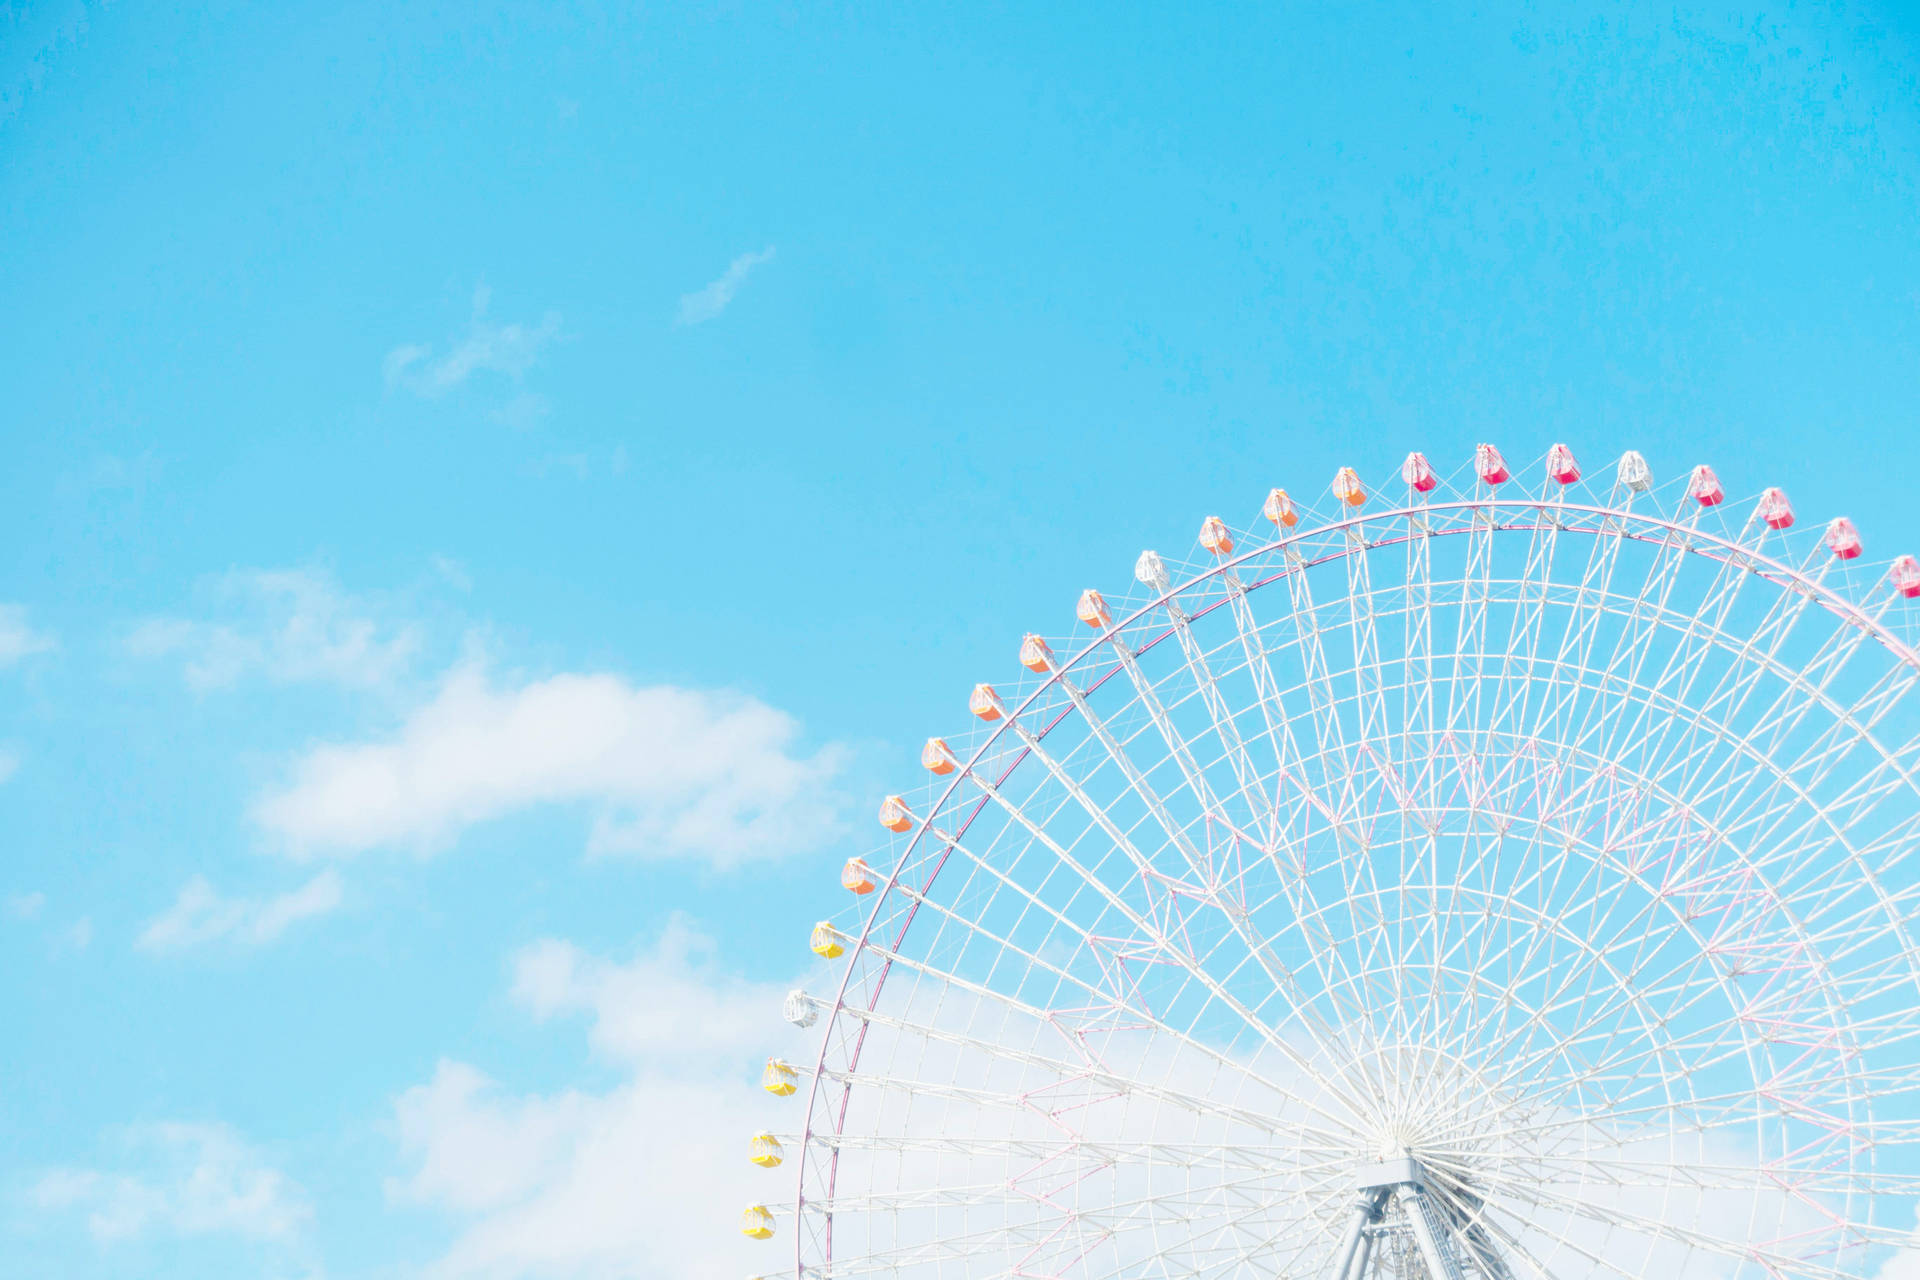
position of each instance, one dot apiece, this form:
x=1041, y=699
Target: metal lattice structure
x=1501, y=879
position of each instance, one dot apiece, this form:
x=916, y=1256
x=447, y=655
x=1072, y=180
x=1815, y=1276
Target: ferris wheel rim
x=1653, y=529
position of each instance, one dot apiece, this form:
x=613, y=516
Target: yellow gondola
x=765, y=1150
x=779, y=1078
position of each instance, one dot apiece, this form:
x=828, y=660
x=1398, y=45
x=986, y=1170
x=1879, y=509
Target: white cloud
x=9, y=763
x=286, y=625
x=200, y=914
x=184, y=1180
x=668, y=772
x=584, y=1186
x=17, y=639
x=704, y=304
x=576, y=1185
x=1904, y=1264
x=509, y=349
x=25, y=906
x=666, y=1001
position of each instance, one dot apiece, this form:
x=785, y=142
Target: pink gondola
x=1843, y=539
x=1905, y=575
x=1418, y=473
x=1704, y=487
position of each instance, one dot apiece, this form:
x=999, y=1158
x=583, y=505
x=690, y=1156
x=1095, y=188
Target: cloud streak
x=290, y=626
x=184, y=1180
x=487, y=346
x=667, y=772
x=200, y=914
x=703, y=305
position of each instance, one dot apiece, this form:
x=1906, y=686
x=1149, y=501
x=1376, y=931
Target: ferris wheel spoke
x=1513, y=699
x=1163, y=946
x=1699, y=635
x=1580, y=633
x=1470, y=625
x=1677, y=808
x=1393, y=774
x=1201, y=1200
x=1091, y=1072
x=1329, y=732
x=1266, y=1243
x=1176, y=833
x=964, y=1246
x=1120, y=995
x=1191, y=773
x=1606, y=1030
x=1539, y=941
x=1587, y=1206
x=1246, y=773
x=1336, y=757
x=1370, y=700
x=1058, y=1232
x=1263, y=1157
x=1487, y=957
x=1638, y=619
x=1283, y=850
x=1512, y=1246
x=1798, y=1181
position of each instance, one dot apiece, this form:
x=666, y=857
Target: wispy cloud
x=487, y=346
x=182, y=1180
x=25, y=906
x=17, y=639
x=669, y=772
x=200, y=914
x=289, y=626
x=524, y=412
x=703, y=305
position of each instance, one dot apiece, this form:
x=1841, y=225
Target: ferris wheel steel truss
x=1311, y=890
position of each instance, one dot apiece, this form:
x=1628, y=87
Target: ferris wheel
x=1497, y=875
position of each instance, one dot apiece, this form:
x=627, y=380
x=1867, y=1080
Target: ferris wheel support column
x=1441, y=1264
x=1353, y=1251
x=1403, y=1180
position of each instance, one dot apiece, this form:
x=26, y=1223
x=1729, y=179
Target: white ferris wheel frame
x=1350, y=536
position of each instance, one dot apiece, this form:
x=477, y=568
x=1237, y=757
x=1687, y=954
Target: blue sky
x=493, y=494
